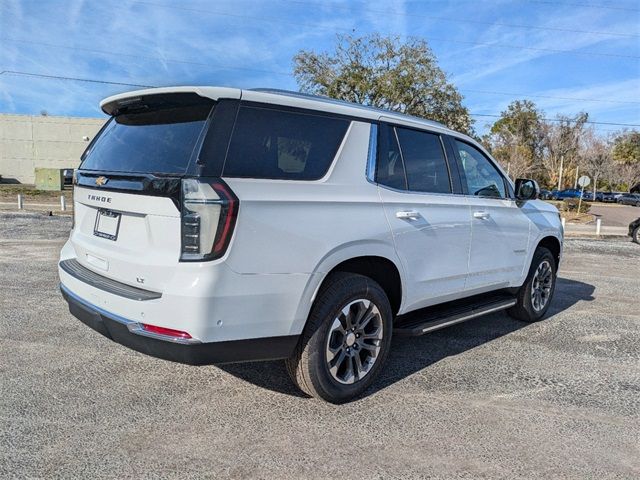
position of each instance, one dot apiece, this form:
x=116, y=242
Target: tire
x=532, y=307
x=635, y=235
x=344, y=298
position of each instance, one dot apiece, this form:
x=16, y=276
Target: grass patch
x=10, y=192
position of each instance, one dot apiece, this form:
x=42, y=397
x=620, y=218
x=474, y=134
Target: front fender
x=541, y=235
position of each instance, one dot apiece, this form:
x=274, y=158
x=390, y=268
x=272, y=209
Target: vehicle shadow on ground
x=409, y=355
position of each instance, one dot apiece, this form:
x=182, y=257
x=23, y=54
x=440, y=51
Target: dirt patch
x=579, y=218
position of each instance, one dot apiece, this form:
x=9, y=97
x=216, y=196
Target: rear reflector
x=169, y=332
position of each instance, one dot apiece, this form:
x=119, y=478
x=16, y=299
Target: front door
x=499, y=228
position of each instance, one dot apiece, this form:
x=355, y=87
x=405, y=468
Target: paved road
x=614, y=215
x=491, y=398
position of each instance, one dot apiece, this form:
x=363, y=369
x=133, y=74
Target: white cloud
x=256, y=48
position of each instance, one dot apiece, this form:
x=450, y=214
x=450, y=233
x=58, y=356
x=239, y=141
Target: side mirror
x=527, y=189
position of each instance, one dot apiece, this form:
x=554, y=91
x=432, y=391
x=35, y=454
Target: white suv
x=218, y=225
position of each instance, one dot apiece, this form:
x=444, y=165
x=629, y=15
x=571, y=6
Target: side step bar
x=441, y=316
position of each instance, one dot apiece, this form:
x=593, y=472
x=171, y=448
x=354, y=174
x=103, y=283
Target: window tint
x=390, y=170
x=159, y=141
x=483, y=179
x=268, y=143
x=424, y=161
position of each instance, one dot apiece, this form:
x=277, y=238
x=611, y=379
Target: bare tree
x=627, y=175
x=515, y=157
x=596, y=157
x=561, y=141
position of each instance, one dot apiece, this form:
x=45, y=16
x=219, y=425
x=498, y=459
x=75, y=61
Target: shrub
x=571, y=205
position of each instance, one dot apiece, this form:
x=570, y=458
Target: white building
x=30, y=141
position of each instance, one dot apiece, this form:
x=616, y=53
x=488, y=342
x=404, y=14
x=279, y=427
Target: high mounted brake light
x=209, y=211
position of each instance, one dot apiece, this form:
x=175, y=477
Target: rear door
x=499, y=228
x=128, y=187
x=430, y=223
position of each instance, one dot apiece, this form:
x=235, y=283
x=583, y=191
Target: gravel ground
x=490, y=398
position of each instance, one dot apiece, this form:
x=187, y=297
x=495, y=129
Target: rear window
x=156, y=141
x=277, y=144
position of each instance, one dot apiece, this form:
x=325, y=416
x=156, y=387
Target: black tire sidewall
x=635, y=235
x=539, y=256
x=332, y=302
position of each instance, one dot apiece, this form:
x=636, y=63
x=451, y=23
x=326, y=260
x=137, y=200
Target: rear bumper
x=120, y=330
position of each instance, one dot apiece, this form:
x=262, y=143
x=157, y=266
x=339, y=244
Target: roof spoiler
x=155, y=97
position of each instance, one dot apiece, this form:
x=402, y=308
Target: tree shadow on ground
x=409, y=355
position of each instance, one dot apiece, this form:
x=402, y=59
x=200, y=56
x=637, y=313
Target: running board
x=441, y=316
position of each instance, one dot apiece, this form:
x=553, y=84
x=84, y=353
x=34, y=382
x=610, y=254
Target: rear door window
x=390, y=169
x=157, y=141
x=424, y=161
x=281, y=144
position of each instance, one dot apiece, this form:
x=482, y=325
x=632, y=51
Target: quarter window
x=424, y=161
x=482, y=177
x=270, y=143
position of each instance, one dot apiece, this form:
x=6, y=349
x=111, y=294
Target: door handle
x=481, y=215
x=407, y=214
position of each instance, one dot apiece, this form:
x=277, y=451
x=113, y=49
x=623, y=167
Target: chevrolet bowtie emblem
x=101, y=181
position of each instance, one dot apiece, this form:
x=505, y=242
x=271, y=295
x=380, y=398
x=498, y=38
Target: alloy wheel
x=354, y=341
x=541, y=286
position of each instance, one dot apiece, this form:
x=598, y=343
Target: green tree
x=386, y=73
x=626, y=148
x=515, y=138
x=626, y=154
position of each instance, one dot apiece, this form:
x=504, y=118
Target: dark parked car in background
x=569, y=193
x=545, y=194
x=629, y=199
x=68, y=176
x=634, y=230
x=606, y=197
x=617, y=195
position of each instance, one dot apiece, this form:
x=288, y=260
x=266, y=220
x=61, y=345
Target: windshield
x=148, y=140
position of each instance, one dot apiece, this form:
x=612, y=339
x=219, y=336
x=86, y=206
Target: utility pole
x=575, y=184
x=560, y=174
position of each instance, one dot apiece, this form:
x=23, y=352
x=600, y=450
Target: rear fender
x=335, y=257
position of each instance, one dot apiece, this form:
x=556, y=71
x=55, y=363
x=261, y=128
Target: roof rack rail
x=325, y=99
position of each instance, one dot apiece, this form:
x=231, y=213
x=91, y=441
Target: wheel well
x=553, y=245
x=380, y=270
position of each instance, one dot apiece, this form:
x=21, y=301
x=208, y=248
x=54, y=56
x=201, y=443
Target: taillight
x=209, y=211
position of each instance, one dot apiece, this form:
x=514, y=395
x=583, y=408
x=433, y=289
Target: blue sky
x=567, y=56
